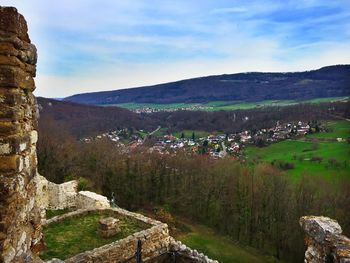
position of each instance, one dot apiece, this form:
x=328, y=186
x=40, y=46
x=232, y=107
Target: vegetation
x=77, y=234
x=223, y=105
x=256, y=205
x=328, y=158
x=83, y=120
x=219, y=247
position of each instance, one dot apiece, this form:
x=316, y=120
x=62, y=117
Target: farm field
x=312, y=155
x=222, y=105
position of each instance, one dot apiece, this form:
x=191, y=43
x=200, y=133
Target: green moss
x=79, y=234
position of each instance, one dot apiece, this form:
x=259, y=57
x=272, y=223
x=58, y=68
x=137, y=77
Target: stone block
x=108, y=227
x=16, y=144
x=12, y=21
x=33, y=137
x=11, y=97
x=11, y=113
x=5, y=148
x=319, y=227
x=16, y=77
x=7, y=60
x=10, y=163
x=9, y=128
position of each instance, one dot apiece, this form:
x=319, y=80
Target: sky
x=97, y=45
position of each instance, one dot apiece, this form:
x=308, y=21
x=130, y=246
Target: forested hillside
x=332, y=81
x=85, y=120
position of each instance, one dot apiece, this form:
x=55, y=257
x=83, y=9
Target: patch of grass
x=300, y=154
x=334, y=129
x=221, y=248
x=78, y=234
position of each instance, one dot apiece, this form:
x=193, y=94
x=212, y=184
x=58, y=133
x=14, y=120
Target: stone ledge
x=324, y=240
x=12, y=21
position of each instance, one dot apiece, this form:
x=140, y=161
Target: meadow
x=316, y=154
x=223, y=105
x=219, y=247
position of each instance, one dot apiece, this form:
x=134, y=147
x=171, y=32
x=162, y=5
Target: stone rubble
x=108, y=227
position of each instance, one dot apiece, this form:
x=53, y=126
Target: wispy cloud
x=87, y=45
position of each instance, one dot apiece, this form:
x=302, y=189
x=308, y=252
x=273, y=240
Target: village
x=215, y=145
x=148, y=110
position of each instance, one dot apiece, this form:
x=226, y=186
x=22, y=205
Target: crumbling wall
x=20, y=231
x=324, y=240
x=61, y=196
x=55, y=196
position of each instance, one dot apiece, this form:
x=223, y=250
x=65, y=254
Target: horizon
x=88, y=47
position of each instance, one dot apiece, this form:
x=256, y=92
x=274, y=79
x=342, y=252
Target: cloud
x=86, y=45
x=230, y=10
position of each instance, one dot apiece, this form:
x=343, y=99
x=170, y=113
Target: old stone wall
x=324, y=240
x=61, y=196
x=55, y=196
x=20, y=231
x=155, y=240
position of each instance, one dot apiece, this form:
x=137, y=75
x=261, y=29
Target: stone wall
x=55, y=196
x=324, y=240
x=20, y=230
x=61, y=196
x=155, y=240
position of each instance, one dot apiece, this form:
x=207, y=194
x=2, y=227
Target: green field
x=223, y=105
x=220, y=248
x=333, y=156
x=339, y=129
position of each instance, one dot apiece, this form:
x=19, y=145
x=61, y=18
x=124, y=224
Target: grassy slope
x=220, y=248
x=224, y=105
x=285, y=150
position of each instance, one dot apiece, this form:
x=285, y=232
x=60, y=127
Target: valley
x=217, y=105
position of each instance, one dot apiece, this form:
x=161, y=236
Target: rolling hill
x=82, y=120
x=86, y=120
x=331, y=81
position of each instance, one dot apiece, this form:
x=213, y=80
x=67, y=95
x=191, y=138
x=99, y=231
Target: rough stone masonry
x=20, y=230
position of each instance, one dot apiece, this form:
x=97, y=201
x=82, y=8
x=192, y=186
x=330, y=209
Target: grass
x=339, y=129
x=224, y=105
x=78, y=234
x=299, y=152
x=219, y=247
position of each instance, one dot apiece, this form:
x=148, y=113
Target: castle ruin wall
x=20, y=231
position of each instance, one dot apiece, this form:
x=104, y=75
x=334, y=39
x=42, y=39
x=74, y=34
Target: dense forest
x=332, y=81
x=256, y=205
x=85, y=120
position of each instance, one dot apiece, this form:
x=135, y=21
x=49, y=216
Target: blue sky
x=93, y=45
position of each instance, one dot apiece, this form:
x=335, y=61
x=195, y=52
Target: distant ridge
x=330, y=81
